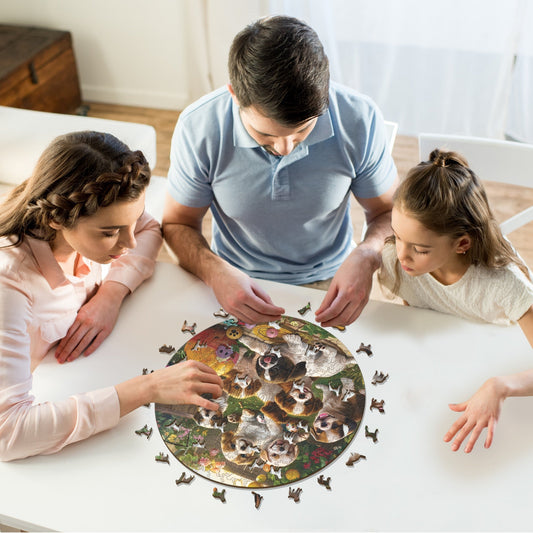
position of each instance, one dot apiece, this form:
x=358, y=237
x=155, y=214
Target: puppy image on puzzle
x=293, y=399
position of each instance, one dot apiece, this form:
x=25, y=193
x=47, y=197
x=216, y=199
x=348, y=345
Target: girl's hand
x=481, y=411
x=94, y=322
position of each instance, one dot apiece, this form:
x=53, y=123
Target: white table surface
x=411, y=480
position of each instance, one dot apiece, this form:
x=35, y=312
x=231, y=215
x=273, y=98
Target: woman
x=82, y=208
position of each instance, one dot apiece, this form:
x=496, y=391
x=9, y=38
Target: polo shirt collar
x=48, y=265
x=323, y=130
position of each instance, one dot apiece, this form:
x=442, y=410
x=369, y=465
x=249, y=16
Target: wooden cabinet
x=38, y=69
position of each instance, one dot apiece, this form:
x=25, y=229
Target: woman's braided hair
x=77, y=174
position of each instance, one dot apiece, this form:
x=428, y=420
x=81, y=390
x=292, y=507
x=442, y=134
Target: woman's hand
x=94, y=322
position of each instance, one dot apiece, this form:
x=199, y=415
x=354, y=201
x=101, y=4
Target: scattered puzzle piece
x=184, y=479
x=340, y=328
x=189, y=329
x=354, y=458
x=219, y=495
x=365, y=348
x=166, y=348
x=379, y=377
x=144, y=431
x=162, y=458
x=221, y=313
x=257, y=499
x=295, y=494
x=325, y=482
x=371, y=434
x=377, y=405
x=304, y=309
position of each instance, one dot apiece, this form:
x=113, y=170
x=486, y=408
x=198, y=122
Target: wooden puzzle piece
x=371, y=434
x=379, y=377
x=257, y=499
x=144, y=431
x=184, y=479
x=219, y=495
x=189, y=329
x=221, y=313
x=377, y=405
x=325, y=482
x=304, y=309
x=365, y=348
x=294, y=494
x=166, y=348
x=354, y=458
x=162, y=458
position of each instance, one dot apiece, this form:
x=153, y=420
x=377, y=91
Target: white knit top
x=500, y=296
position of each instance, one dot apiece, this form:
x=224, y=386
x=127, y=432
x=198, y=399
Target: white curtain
x=446, y=66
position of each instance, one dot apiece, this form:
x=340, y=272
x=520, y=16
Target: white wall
x=129, y=52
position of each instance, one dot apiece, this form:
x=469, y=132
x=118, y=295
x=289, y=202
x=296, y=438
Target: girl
x=447, y=253
x=83, y=207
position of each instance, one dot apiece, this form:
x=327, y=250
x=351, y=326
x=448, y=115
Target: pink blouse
x=39, y=302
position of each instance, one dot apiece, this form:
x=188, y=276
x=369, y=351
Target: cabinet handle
x=33, y=73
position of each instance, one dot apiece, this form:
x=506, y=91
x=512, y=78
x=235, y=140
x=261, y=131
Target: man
x=275, y=155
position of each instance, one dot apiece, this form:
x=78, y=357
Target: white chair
x=24, y=134
x=492, y=160
x=391, y=129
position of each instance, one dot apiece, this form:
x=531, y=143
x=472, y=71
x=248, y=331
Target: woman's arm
x=98, y=316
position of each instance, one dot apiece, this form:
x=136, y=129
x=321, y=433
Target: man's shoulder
x=216, y=102
x=347, y=98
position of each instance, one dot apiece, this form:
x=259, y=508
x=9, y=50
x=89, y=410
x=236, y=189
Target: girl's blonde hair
x=76, y=175
x=447, y=197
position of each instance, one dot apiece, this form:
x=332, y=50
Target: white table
x=411, y=479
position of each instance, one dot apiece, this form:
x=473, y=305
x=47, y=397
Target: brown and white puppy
x=294, y=358
x=297, y=398
x=341, y=412
x=206, y=418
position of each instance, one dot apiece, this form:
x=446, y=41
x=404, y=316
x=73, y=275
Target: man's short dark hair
x=278, y=65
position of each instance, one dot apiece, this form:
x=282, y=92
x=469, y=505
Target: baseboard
x=125, y=96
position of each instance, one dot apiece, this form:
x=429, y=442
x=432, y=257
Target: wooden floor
x=505, y=199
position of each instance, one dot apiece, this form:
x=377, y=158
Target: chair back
x=492, y=160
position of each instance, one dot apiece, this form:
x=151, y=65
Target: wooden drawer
x=38, y=69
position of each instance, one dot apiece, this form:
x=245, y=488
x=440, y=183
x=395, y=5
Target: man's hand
x=242, y=297
x=349, y=290
x=94, y=322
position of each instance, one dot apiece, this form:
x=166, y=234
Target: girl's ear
x=463, y=244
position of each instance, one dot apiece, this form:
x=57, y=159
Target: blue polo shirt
x=281, y=218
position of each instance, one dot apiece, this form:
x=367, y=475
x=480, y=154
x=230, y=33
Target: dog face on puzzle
x=297, y=398
x=240, y=384
x=342, y=410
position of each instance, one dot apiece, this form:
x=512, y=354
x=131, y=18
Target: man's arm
x=350, y=288
x=236, y=292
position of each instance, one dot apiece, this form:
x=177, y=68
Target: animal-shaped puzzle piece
x=294, y=494
x=354, y=458
x=367, y=348
x=221, y=313
x=257, y=499
x=162, y=458
x=304, y=309
x=166, y=348
x=379, y=377
x=190, y=329
x=144, y=431
x=340, y=328
x=371, y=434
x=325, y=482
x=377, y=405
x=184, y=479
x=219, y=495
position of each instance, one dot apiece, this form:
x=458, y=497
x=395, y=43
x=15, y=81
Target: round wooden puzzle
x=293, y=400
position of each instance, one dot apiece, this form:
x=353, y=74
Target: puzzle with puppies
x=293, y=399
